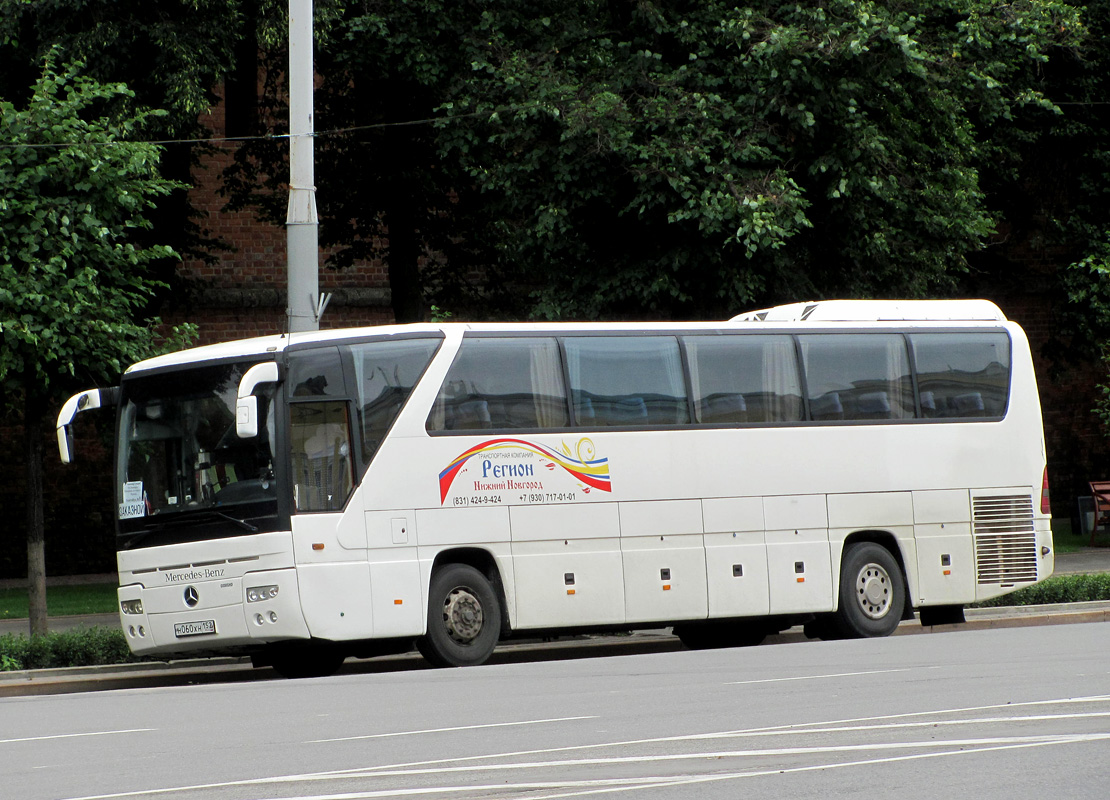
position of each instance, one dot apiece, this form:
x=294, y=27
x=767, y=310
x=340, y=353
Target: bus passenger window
x=744, y=378
x=863, y=376
x=962, y=374
x=502, y=383
x=626, y=380
x=385, y=373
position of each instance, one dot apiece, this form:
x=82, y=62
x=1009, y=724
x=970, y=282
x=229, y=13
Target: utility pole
x=301, y=221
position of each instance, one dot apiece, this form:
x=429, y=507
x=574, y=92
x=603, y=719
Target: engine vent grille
x=1005, y=542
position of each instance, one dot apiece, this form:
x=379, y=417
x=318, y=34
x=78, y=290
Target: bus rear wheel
x=872, y=592
x=464, y=618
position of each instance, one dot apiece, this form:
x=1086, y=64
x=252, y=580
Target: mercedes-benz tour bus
x=308, y=497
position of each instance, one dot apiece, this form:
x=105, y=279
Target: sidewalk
x=1089, y=559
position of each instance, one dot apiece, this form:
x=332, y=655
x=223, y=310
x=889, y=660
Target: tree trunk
x=36, y=553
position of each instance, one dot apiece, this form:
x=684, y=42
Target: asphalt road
x=999, y=713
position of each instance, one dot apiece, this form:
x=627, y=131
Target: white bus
x=307, y=497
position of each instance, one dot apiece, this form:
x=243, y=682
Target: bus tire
x=464, y=618
x=872, y=592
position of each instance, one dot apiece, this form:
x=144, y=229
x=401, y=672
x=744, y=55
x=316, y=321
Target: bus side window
x=962, y=374
x=319, y=429
x=502, y=383
x=858, y=376
x=321, y=456
x=626, y=380
x=744, y=378
x=385, y=373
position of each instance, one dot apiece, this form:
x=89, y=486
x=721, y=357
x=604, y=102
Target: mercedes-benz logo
x=191, y=596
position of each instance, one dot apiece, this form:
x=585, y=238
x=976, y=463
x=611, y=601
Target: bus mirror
x=246, y=404
x=246, y=417
x=65, y=444
x=83, y=401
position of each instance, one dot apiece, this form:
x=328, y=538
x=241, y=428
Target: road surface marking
x=817, y=677
x=75, y=735
x=447, y=730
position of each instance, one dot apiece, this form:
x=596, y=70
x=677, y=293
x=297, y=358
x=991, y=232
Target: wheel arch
x=486, y=563
x=887, y=540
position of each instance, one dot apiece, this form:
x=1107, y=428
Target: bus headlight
x=256, y=594
x=131, y=606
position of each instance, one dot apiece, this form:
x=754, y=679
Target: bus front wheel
x=872, y=592
x=464, y=618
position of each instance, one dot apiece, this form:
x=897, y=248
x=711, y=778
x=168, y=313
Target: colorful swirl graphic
x=586, y=467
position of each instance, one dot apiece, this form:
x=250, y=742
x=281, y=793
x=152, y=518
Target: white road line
x=1101, y=698
x=722, y=754
x=75, y=735
x=609, y=785
x=447, y=730
x=782, y=730
x=799, y=728
x=762, y=773
x=965, y=745
x=816, y=677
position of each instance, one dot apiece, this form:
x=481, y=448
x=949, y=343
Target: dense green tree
x=74, y=195
x=600, y=157
x=698, y=157
x=172, y=54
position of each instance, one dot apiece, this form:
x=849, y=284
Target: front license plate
x=194, y=628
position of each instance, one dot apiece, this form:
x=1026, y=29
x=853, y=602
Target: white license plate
x=194, y=628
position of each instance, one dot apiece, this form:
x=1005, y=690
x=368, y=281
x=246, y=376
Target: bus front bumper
x=253, y=609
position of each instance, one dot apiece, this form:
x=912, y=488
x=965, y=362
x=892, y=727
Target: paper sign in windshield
x=133, y=504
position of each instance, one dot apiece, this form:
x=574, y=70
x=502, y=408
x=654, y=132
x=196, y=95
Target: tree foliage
x=665, y=156
x=73, y=196
x=172, y=55
x=698, y=157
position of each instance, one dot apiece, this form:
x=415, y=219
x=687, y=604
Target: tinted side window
x=316, y=372
x=744, y=378
x=962, y=374
x=858, y=376
x=319, y=430
x=385, y=374
x=626, y=380
x=512, y=382
x=319, y=441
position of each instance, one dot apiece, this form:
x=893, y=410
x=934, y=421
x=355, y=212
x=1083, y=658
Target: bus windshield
x=178, y=451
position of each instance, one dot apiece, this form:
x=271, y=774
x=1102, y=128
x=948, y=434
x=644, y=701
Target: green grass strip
x=62, y=601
